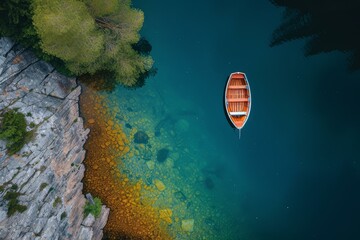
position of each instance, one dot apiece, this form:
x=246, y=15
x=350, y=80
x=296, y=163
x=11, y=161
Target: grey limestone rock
x=48, y=170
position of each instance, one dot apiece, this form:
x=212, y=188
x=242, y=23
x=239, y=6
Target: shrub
x=11, y=195
x=13, y=204
x=56, y=202
x=94, y=209
x=13, y=131
x=63, y=215
x=42, y=186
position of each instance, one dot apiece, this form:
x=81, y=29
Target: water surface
x=295, y=172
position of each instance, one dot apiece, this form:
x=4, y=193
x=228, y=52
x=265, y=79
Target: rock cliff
x=47, y=172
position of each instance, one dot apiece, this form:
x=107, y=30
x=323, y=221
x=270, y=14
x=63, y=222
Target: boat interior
x=237, y=96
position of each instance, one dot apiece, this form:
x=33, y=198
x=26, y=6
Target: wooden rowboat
x=238, y=99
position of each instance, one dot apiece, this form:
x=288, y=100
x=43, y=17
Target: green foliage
x=129, y=65
x=67, y=31
x=80, y=36
x=63, y=215
x=100, y=8
x=94, y=209
x=42, y=186
x=15, y=19
x=13, y=204
x=13, y=131
x=42, y=168
x=56, y=202
x=87, y=41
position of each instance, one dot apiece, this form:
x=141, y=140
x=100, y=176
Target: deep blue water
x=295, y=173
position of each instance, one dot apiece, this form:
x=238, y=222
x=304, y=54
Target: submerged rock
x=159, y=185
x=162, y=155
x=179, y=195
x=150, y=164
x=187, y=225
x=181, y=126
x=141, y=137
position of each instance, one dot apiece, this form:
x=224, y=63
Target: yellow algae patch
x=187, y=225
x=131, y=215
x=166, y=214
x=159, y=185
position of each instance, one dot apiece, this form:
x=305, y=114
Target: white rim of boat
x=226, y=102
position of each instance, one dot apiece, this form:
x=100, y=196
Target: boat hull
x=237, y=99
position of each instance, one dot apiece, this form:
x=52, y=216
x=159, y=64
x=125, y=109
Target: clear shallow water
x=295, y=172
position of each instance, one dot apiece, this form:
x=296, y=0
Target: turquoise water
x=295, y=172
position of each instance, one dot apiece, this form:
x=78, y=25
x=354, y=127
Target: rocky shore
x=47, y=173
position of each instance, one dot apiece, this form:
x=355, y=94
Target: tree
x=92, y=35
x=67, y=31
x=80, y=36
x=101, y=8
x=15, y=21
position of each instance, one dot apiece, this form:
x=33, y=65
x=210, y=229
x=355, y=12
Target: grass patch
x=56, y=202
x=42, y=186
x=13, y=131
x=25, y=154
x=94, y=209
x=2, y=188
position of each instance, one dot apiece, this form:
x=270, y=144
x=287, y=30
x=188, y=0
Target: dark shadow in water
x=143, y=46
x=327, y=26
x=101, y=81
